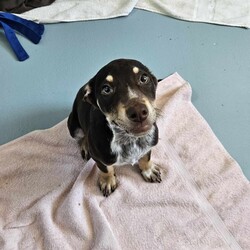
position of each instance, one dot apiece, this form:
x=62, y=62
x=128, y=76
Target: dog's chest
x=130, y=149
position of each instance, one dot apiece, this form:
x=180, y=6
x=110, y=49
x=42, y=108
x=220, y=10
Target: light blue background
x=39, y=92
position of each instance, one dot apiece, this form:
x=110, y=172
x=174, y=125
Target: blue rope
x=29, y=29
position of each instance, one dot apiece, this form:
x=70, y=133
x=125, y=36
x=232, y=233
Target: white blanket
x=49, y=198
x=226, y=12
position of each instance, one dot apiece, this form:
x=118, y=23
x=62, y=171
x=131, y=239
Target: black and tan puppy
x=114, y=120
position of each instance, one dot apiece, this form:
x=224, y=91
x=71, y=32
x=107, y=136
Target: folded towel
x=78, y=10
x=49, y=198
x=226, y=12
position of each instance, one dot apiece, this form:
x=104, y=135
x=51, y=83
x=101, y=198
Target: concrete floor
x=39, y=92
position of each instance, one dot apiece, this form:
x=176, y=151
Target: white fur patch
x=132, y=94
x=127, y=149
x=109, y=78
x=147, y=173
x=135, y=70
x=78, y=134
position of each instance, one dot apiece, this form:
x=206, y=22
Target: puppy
x=114, y=120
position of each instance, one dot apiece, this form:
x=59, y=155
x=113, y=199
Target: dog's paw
x=152, y=174
x=107, y=184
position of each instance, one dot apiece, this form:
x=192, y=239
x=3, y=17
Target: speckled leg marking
x=149, y=170
x=107, y=181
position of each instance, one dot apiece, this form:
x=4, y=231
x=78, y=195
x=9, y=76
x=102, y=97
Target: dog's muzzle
x=138, y=113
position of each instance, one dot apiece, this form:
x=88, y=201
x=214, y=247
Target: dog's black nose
x=137, y=113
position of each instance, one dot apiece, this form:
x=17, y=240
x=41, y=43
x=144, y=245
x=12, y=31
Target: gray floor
x=39, y=92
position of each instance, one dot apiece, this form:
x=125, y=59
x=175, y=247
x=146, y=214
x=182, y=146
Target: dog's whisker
x=158, y=112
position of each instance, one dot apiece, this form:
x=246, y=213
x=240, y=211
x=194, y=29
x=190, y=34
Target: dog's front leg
x=149, y=170
x=107, y=179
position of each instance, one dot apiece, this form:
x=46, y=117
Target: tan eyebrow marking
x=135, y=70
x=109, y=78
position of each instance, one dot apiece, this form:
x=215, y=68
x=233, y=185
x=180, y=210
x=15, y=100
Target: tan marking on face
x=136, y=70
x=118, y=113
x=150, y=105
x=121, y=112
x=151, y=109
x=109, y=78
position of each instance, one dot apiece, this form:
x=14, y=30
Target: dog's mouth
x=138, y=129
x=141, y=129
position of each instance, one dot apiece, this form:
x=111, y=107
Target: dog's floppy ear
x=89, y=92
x=154, y=80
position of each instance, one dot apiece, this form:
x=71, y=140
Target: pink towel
x=49, y=198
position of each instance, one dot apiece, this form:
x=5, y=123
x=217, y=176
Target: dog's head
x=124, y=90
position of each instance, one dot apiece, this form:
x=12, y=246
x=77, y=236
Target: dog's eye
x=107, y=90
x=144, y=79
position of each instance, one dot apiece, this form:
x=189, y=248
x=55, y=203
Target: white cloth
x=49, y=198
x=226, y=12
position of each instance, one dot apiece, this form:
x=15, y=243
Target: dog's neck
x=130, y=148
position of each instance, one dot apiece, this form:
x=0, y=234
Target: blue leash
x=29, y=29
